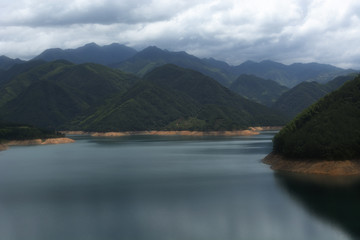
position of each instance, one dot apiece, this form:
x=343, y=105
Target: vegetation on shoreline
x=329, y=129
x=10, y=131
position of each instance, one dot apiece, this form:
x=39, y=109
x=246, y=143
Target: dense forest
x=329, y=129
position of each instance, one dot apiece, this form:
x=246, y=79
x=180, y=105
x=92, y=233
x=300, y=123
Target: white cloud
x=235, y=31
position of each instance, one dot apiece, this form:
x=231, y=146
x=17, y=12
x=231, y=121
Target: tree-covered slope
x=329, y=129
x=17, y=69
x=210, y=93
x=173, y=98
x=145, y=106
x=11, y=131
x=295, y=100
x=51, y=94
x=257, y=89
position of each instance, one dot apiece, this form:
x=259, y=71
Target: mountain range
x=64, y=95
x=141, y=62
x=114, y=87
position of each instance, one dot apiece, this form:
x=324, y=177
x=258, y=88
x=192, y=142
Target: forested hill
x=329, y=129
x=174, y=98
x=264, y=91
x=52, y=94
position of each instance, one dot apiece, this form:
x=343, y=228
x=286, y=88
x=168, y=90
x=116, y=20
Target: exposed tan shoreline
x=319, y=167
x=3, y=147
x=249, y=132
x=35, y=142
x=179, y=133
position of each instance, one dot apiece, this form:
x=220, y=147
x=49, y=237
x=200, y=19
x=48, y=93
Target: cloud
x=235, y=31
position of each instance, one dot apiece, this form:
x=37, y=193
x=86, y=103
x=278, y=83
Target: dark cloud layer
x=234, y=31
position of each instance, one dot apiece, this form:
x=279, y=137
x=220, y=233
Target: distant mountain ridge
x=6, y=62
x=152, y=57
x=291, y=75
x=130, y=60
x=91, y=52
x=295, y=100
x=286, y=75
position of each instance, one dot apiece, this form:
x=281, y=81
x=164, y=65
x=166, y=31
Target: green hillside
x=11, y=131
x=212, y=95
x=329, y=129
x=144, y=107
x=303, y=95
x=173, y=98
x=257, y=89
x=51, y=94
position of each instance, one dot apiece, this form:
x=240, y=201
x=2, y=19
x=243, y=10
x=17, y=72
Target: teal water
x=153, y=187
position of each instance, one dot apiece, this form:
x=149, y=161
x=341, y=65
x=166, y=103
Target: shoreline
x=63, y=140
x=247, y=132
x=313, y=167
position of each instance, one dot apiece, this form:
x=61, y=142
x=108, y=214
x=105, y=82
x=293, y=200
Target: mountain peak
x=91, y=52
x=91, y=45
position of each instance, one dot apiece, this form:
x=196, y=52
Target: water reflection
x=333, y=199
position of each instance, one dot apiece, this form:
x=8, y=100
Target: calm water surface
x=154, y=187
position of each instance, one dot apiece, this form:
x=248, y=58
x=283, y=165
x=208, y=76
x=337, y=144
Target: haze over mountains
x=95, y=87
x=295, y=100
x=128, y=59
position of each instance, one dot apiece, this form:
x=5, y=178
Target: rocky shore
x=307, y=166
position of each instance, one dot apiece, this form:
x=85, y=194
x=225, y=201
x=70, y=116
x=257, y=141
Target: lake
x=166, y=187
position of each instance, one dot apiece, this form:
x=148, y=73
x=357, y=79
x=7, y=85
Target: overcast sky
x=325, y=31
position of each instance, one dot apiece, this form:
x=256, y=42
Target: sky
x=287, y=31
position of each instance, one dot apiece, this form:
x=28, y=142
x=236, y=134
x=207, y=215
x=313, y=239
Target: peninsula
x=323, y=139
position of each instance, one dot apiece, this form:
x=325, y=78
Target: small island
x=323, y=139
